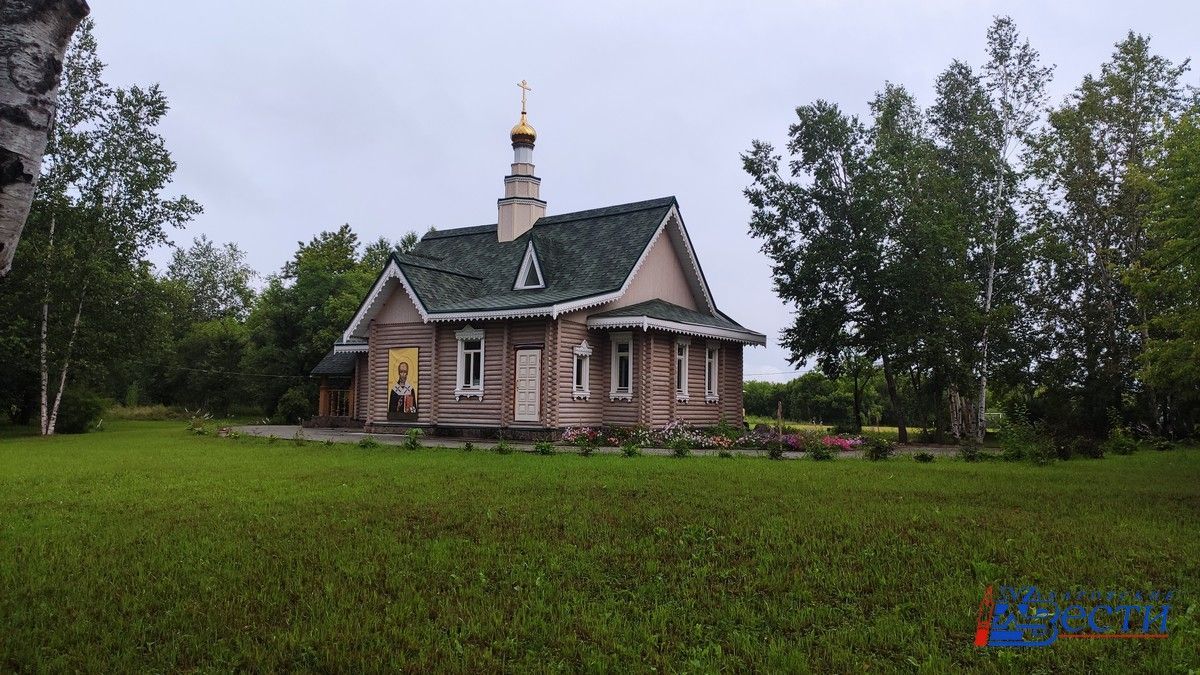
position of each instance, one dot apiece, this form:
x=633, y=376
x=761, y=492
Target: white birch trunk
x=984, y=366
x=33, y=38
x=62, y=380
x=44, y=347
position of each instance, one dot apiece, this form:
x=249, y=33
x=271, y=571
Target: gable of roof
x=586, y=258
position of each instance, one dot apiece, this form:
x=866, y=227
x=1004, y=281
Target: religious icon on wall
x=402, y=384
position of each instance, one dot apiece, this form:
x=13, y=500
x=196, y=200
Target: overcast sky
x=293, y=117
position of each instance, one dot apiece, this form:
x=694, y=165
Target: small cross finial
x=525, y=88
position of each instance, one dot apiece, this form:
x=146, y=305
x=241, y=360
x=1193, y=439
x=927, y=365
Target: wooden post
x=323, y=399
x=779, y=417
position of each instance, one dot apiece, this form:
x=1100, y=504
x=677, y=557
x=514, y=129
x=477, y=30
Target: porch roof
x=674, y=318
x=336, y=363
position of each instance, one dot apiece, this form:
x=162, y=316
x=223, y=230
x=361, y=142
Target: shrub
x=631, y=449
x=876, y=448
x=1086, y=446
x=298, y=437
x=775, y=449
x=468, y=447
x=1119, y=442
x=821, y=452
x=144, y=413
x=78, y=411
x=970, y=452
x=724, y=454
x=1160, y=444
x=328, y=443
x=1020, y=440
x=367, y=443
x=503, y=448
x=198, y=423
x=586, y=449
x=272, y=439
x=294, y=405
x=923, y=457
x=544, y=448
x=680, y=447
x=412, y=439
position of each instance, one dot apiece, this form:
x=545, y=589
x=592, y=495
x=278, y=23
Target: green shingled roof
x=661, y=309
x=581, y=254
x=335, y=363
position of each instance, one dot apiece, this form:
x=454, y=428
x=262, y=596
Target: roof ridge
x=426, y=266
x=615, y=209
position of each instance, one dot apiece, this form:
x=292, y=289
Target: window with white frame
x=711, y=354
x=622, y=367
x=681, y=369
x=581, y=376
x=470, y=363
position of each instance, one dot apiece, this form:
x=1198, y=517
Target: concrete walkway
x=288, y=431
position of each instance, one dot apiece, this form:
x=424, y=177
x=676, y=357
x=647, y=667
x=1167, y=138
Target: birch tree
x=101, y=201
x=33, y=38
x=1016, y=82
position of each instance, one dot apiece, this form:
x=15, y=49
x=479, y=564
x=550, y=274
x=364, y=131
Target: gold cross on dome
x=525, y=88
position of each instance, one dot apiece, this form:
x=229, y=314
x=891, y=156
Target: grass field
x=144, y=548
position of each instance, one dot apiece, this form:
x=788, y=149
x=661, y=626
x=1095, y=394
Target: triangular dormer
x=530, y=274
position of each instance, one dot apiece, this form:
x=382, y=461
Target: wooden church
x=538, y=323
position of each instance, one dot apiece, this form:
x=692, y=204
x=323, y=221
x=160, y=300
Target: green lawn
x=144, y=548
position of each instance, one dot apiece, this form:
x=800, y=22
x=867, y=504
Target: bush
x=970, y=452
x=631, y=449
x=1085, y=446
x=468, y=447
x=503, y=448
x=78, y=411
x=272, y=439
x=1119, y=442
x=680, y=447
x=367, y=443
x=412, y=439
x=544, y=448
x=294, y=405
x=876, y=448
x=586, y=449
x=298, y=437
x=923, y=457
x=775, y=449
x=724, y=454
x=144, y=413
x=820, y=452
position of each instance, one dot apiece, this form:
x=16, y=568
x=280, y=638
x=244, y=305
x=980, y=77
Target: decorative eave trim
x=584, y=349
x=390, y=271
x=645, y=322
x=352, y=348
x=686, y=239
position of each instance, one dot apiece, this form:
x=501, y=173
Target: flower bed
x=722, y=437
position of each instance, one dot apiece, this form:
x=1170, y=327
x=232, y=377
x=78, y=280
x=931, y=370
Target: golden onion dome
x=523, y=132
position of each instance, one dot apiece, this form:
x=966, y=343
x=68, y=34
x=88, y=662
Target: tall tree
x=33, y=38
x=215, y=280
x=1165, y=280
x=100, y=207
x=1016, y=82
x=1093, y=207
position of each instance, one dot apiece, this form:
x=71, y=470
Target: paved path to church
x=288, y=431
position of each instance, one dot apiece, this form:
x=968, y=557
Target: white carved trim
x=619, y=396
x=469, y=333
x=615, y=393
x=469, y=393
x=682, y=398
x=584, y=349
x=355, y=348
x=699, y=276
x=712, y=398
x=368, y=309
x=645, y=322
